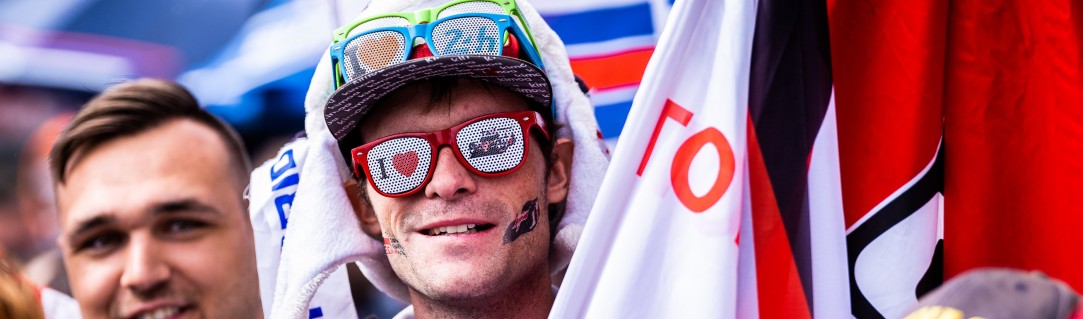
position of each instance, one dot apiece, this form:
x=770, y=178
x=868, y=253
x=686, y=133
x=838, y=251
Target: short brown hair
x=134, y=107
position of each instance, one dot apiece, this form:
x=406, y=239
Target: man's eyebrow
x=182, y=205
x=186, y=205
x=92, y=223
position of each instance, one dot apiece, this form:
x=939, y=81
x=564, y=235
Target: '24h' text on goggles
x=490, y=145
x=483, y=27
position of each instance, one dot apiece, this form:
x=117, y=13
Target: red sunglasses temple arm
x=356, y=160
x=542, y=125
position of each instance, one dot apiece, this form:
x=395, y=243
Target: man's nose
x=144, y=270
x=450, y=179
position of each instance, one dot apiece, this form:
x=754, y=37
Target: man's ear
x=560, y=170
x=366, y=216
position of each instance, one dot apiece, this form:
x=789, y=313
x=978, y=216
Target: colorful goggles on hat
x=490, y=145
x=483, y=27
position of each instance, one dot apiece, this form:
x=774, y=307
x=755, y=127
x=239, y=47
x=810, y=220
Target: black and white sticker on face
x=492, y=145
x=524, y=222
x=399, y=165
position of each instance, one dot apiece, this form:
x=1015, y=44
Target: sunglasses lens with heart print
x=399, y=165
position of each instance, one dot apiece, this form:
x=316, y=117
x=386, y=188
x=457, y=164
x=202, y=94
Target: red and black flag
x=889, y=94
x=796, y=222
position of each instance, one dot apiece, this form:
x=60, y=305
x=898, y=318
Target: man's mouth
x=161, y=313
x=457, y=229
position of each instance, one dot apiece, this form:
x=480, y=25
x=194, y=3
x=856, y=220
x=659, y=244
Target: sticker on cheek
x=393, y=247
x=524, y=222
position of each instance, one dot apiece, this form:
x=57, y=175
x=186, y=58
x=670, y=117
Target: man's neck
x=531, y=300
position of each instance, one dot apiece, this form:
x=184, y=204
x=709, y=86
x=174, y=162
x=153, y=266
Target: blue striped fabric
x=611, y=117
x=597, y=26
x=602, y=24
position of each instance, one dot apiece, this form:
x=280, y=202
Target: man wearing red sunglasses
x=461, y=160
x=467, y=242
x=451, y=158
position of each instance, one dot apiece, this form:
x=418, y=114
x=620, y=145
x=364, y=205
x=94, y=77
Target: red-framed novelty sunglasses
x=489, y=145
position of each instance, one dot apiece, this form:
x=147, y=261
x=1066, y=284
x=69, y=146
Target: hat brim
x=347, y=105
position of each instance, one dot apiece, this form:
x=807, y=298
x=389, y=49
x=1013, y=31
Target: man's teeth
x=160, y=313
x=460, y=229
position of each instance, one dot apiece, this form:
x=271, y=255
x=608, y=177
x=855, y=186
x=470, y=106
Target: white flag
x=662, y=237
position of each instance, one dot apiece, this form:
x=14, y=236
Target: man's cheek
x=523, y=223
x=95, y=284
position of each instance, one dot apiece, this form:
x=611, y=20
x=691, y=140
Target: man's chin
x=460, y=283
x=458, y=295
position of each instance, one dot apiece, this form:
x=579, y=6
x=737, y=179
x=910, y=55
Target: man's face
x=154, y=225
x=482, y=261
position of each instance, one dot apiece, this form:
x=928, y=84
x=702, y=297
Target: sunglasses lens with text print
x=490, y=145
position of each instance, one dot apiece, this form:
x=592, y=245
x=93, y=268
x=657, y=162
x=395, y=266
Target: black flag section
x=790, y=88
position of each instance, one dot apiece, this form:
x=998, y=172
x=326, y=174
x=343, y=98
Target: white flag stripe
x=611, y=47
x=889, y=268
x=572, y=6
x=613, y=96
x=830, y=271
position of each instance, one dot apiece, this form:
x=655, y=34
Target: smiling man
x=153, y=223
x=466, y=244
x=447, y=117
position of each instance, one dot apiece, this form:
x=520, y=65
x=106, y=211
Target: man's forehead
x=436, y=105
x=177, y=160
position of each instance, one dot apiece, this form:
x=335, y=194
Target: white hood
x=323, y=231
